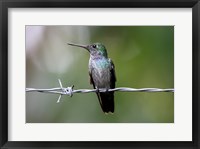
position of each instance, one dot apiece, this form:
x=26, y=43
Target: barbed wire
x=70, y=91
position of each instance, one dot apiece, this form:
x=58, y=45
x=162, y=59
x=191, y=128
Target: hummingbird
x=102, y=74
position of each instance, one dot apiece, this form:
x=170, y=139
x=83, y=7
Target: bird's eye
x=94, y=46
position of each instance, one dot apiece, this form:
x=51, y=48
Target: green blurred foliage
x=143, y=58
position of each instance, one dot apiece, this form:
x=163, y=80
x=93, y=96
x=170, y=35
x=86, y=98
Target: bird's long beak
x=77, y=45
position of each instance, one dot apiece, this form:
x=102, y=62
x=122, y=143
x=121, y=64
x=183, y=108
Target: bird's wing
x=91, y=79
x=92, y=82
x=113, y=78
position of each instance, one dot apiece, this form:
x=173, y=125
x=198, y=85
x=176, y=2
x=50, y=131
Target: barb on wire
x=70, y=91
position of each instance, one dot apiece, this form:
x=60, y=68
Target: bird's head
x=95, y=49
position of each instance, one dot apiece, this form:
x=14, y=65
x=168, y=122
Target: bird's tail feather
x=107, y=102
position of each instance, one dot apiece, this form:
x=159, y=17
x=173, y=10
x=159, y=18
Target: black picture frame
x=6, y=4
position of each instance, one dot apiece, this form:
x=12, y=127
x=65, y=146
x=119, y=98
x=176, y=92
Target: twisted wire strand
x=70, y=91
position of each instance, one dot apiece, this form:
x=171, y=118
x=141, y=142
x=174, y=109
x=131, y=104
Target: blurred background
x=143, y=58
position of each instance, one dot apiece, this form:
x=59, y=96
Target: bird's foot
x=97, y=90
